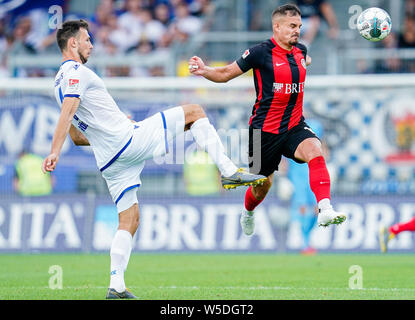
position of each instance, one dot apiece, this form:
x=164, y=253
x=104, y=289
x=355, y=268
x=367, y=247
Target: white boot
x=248, y=222
x=327, y=215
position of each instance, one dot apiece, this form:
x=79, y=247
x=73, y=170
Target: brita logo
x=288, y=88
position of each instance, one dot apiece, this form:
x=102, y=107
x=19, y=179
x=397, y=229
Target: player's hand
x=50, y=162
x=196, y=66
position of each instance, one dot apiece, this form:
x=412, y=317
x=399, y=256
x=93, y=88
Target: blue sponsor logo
x=83, y=126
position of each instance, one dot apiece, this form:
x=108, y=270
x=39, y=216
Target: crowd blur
x=126, y=27
x=116, y=27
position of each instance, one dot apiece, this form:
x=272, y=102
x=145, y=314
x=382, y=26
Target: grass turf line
x=211, y=276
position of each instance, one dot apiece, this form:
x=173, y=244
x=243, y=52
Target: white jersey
x=98, y=117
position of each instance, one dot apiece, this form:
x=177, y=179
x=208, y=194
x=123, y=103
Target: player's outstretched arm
x=215, y=74
x=69, y=107
x=308, y=60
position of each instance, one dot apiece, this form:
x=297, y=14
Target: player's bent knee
x=193, y=112
x=308, y=150
x=260, y=192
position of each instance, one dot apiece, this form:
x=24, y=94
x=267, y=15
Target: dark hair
x=286, y=9
x=69, y=29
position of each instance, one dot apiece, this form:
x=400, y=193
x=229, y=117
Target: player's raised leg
x=387, y=234
x=208, y=140
x=309, y=150
x=121, y=246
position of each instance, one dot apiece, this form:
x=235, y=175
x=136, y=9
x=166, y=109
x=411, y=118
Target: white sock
x=208, y=140
x=120, y=252
x=324, y=204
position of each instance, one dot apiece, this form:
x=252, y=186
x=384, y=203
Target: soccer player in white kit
x=121, y=146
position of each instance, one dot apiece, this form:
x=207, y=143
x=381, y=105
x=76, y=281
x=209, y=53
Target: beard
x=293, y=42
x=82, y=57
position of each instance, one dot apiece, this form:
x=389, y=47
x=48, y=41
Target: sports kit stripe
x=116, y=156
x=165, y=132
x=60, y=94
x=125, y=190
x=295, y=76
x=258, y=84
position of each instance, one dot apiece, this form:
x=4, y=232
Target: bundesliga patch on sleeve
x=246, y=53
x=73, y=84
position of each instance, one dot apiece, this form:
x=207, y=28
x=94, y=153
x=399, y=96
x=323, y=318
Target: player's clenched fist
x=196, y=65
x=50, y=162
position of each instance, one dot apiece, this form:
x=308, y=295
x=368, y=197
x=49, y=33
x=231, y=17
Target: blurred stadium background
x=362, y=93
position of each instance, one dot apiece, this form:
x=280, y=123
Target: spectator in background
x=29, y=179
x=410, y=7
x=104, y=35
x=104, y=10
x=184, y=24
x=312, y=14
x=201, y=175
x=153, y=30
x=131, y=22
x=391, y=62
x=4, y=47
x=20, y=34
x=407, y=40
x=162, y=14
x=407, y=35
x=200, y=8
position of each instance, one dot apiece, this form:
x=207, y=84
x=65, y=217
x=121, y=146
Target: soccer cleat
x=247, y=223
x=114, y=294
x=384, y=237
x=242, y=178
x=328, y=216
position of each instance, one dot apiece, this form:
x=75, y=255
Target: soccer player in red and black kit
x=276, y=126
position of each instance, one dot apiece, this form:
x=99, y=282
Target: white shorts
x=151, y=138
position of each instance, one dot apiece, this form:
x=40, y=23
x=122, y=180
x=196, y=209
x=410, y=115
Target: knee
x=308, y=150
x=130, y=220
x=313, y=152
x=260, y=192
x=194, y=112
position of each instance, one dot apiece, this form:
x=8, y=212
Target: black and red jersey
x=279, y=77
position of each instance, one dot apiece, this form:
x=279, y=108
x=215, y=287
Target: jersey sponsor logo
x=288, y=88
x=76, y=66
x=309, y=129
x=277, y=87
x=73, y=83
x=246, y=53
x=279, y=64
x=81, y=125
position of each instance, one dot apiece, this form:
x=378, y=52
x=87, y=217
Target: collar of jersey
x=67, y=61
x=279, y=47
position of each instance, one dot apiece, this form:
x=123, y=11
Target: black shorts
x=266, y=149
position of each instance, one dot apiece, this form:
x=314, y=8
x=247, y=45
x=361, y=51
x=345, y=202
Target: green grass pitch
x=212, y=276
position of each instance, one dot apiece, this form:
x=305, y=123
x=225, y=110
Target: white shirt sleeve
x=77, y=82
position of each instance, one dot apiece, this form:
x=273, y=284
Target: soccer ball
x=374, y=24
